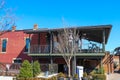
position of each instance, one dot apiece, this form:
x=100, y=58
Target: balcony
x=38, y=49
x=96, y=34
x=45, y=49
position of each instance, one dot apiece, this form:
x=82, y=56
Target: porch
x=46, y=42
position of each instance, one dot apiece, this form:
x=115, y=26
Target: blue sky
x=50, y=14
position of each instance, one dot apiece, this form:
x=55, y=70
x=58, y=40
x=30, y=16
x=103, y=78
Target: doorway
x=61, y=68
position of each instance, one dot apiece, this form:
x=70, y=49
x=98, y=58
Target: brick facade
x=15, y=46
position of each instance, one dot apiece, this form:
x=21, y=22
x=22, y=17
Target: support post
x=103, y=44
x=51, y=47
x=51, y=42
x=29, y=44
x=74, y=55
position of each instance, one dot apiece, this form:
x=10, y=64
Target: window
x=17, y=60
x=4, y=45
x=27, y=44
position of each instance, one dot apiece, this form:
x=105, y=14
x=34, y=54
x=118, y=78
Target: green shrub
x=36, y=68
x=26, y=70
x=99, y=71
x=99, y=76
x=52, y=78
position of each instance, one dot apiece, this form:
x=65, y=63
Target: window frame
x=2, y=45
x=25, y=45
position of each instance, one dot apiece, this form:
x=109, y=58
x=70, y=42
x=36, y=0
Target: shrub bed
x=52, y=78
x=99, y=76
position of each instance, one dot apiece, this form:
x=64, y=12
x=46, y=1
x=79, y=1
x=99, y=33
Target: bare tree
x=7, y=19
x=68, y=45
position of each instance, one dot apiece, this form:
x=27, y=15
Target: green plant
x=99, y=76
x=61, y=75
x=92, y=72
x=36, y=68
x=101, y=70
x=26, y=70
x=76, y=76
x=53, y=78
x=84, y=74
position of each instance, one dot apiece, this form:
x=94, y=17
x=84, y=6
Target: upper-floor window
x=27, y=44
x=4, y=45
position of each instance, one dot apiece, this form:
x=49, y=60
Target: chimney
x=13, y=28
x=35, y=27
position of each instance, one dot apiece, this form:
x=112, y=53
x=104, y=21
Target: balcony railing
x=90, y=48
x=40, y=49
x=46, y=49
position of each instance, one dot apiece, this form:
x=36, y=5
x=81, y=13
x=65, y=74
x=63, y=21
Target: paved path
x=113, y=76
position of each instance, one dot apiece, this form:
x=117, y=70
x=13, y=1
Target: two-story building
x=40, y=44
x=90, y=53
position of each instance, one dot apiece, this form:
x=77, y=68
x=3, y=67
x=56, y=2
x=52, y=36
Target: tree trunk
x=69, y=71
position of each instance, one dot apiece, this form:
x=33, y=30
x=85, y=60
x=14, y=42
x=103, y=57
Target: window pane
x=27, y=44
x=4, y=45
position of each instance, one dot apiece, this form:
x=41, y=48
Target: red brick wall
x=15, y=46
x=43, y=38
x=35, y=39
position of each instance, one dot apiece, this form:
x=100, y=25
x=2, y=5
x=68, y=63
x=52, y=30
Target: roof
x=91, y=33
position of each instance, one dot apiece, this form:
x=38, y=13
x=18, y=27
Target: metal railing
x=90, y=48
x=86, y=48
x=39, y=49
